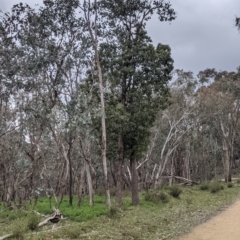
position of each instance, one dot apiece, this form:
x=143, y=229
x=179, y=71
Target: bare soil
x=225, y=226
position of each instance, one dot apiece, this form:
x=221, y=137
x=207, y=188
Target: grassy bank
x=161, y=215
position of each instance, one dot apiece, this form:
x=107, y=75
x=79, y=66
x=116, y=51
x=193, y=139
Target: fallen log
x=182, y=179
x=6, y=236
x=55, y=218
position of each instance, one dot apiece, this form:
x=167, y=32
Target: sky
x=202, y=36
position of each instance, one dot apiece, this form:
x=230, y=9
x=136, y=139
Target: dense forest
x=89, y=104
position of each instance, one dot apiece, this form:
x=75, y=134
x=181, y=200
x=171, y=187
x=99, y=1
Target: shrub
x=113, y=212
x=13, y=215
x=156, y=197
x=175, y=191
x=19, y=228
x=32, y=221
x=204, y=186
x=230, y=185
x=216, y=186
x=71, y=232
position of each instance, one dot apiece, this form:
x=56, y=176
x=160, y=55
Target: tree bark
x=94, y=37
x=90, y=185
x=226, y=162
x=70, y=174
x=81, y=185
x=135, y=193
x=104, y=135
x=226, y=155
x=118, y=197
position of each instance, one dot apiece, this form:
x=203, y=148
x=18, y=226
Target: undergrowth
x=175, y=191
x=75, y=213
x=156, y=197
x=159, y=215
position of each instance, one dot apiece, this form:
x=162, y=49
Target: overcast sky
x=203, y=35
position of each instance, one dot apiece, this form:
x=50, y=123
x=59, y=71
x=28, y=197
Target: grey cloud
x=202, y=36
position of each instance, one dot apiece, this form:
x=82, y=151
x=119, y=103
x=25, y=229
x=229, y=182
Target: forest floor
x=207, y=210
x=225, y=226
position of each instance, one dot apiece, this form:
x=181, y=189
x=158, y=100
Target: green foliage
x=156, y=197
x=175, y=191
x=72, y=232
x=13, y=214
x=139, y=222
x=133, y=115
x=18, y=228
x=113, y=212
x=135, y=72
x=204, y=186
x=78, y=214
x=230, y=185
x=33, y=221
x=216, y=186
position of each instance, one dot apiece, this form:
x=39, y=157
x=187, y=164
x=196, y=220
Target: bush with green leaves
x=175, y=191
x=113, y=212
x=33, y=221
x=156, y=197
x=216, y=186
x=204, y=186
x=72, y=232
x=230, y=185
x=18, y=228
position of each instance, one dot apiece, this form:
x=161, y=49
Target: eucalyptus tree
x=135, y=76
x=41, y=50
x=171, y=132
x=94, y=26
x=221, y=100
x=44, y=49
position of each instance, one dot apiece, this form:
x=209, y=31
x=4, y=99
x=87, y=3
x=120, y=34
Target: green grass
x=146, y=221
x=75, y=213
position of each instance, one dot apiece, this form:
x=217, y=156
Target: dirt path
x=225, y=226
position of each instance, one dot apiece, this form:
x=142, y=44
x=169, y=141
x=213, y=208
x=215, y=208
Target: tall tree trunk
x=172, y=172
x=94, y=37
x=90, y=185
x=118, y=197
x=104, y=135
x=226, y=155
x=81, y=185
x=135, y=194
x=226, y=162
x=70, y=175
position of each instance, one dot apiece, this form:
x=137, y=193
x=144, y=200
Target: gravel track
x=225, y=226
